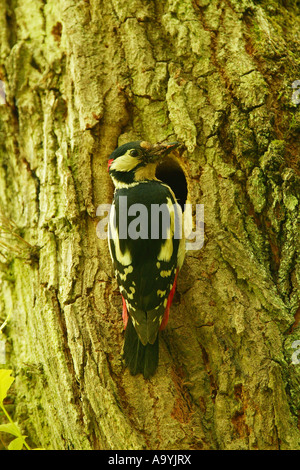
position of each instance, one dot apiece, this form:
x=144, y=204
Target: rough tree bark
x=82, y=77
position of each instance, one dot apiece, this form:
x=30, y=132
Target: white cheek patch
x=124, y=163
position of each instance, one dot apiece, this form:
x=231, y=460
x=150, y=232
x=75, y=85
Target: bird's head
x=137, y=161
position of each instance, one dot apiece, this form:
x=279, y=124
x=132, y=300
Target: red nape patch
x=124, y=313
x=170, y=299
x=109, y=163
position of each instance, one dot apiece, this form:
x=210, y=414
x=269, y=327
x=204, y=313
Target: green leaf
x=16, y=444
x=5, y=382
x=11, y=428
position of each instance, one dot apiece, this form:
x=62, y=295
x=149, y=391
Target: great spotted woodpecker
x=147, y=251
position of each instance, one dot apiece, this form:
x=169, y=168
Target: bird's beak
x=160, y=150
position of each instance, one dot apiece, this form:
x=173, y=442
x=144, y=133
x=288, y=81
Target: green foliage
x=12, y=428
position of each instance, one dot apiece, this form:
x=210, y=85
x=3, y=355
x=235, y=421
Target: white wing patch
x=166, y=250
x=123, y=258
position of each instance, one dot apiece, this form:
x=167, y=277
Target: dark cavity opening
x=171, y=173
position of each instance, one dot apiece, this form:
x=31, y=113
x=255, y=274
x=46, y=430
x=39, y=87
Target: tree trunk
x=81, y=78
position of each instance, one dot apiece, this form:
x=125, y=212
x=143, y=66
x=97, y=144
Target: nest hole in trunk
x=170, y=172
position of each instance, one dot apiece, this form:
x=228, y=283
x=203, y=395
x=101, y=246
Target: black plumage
x=144, y=251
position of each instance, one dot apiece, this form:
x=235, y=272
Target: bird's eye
x=134, y=153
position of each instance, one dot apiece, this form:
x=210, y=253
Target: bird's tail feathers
x=139, y=358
